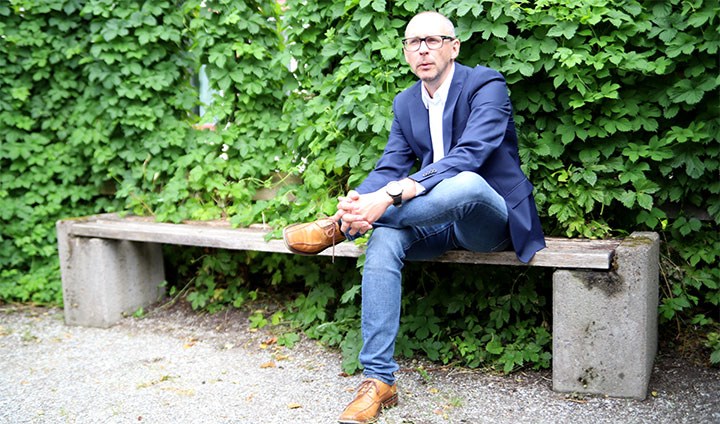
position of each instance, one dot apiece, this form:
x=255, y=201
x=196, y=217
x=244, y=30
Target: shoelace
x=333, y=231
x=332, y=236
x=365, y=387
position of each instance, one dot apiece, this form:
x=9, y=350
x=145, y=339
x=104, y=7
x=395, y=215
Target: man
x=469, y=193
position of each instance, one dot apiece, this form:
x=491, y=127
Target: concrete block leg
x=104, y=279
x=605, y=323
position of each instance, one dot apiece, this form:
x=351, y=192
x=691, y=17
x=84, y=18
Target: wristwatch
x=395, y=190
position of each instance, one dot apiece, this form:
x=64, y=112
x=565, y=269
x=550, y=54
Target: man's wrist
x=412, y=188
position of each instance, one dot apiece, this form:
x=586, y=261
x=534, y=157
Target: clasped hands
x=359, y=211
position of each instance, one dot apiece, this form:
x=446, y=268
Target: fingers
x=359, y=227
x=351, y=218
x=354, y=224
x=347, y=203
x=345, y=206
x=345, y=227
x=351, y=197
x=338, y=215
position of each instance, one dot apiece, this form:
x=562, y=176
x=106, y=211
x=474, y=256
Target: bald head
x=432, y=20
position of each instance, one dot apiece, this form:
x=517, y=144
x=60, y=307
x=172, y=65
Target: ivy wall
x=616, y=103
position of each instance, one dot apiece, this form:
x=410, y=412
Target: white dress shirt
x=436, y=106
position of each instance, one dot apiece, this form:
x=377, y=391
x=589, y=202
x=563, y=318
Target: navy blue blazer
x=479, y=136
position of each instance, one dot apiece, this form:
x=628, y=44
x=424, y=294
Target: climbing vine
x=616, y=104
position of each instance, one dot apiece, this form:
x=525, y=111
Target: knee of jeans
x=477, y=181
x=468, y=177
x=472, y=184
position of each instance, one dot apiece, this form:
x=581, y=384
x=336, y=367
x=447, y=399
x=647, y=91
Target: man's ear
x=456, y=48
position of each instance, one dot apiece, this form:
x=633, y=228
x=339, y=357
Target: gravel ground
x=176, y=366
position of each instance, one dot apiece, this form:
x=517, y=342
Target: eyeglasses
x=432, y=42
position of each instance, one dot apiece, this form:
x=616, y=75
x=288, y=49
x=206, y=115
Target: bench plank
x=560, y=253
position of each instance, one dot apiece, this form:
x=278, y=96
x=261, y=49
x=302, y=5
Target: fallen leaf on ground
x=294, y=405
x=270, y=341
x=270, y=364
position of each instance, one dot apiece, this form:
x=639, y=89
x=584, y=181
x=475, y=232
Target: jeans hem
x=377, y=377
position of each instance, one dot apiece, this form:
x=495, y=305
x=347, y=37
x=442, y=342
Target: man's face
x=431, y=66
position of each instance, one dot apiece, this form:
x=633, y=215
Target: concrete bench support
x=105, y=279
x=605, y=323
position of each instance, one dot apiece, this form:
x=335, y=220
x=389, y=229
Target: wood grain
x=560, y=252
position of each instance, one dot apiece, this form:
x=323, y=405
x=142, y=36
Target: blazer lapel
x=419, y=118
x=453, y=95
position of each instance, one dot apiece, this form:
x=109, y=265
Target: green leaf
x=499, y=30
x=350, y=294
x=645, y=201
x=681, y=44
x=288, y=339
x=715, y=357
x=684, y=91
x=627, y=198
x=495, y=347
x=378, y=5
x=348, y=154
x=565, y=29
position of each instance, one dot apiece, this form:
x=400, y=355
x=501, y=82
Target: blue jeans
x=462, y=212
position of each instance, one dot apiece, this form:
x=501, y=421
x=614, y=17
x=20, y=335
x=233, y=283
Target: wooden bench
x=605, y=292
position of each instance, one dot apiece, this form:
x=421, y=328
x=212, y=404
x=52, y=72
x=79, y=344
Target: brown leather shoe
x=313, y=237
x=372, y=396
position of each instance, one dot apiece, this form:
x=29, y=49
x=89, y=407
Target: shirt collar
x=441, y=93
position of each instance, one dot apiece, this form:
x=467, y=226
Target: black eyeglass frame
x=424, y=39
